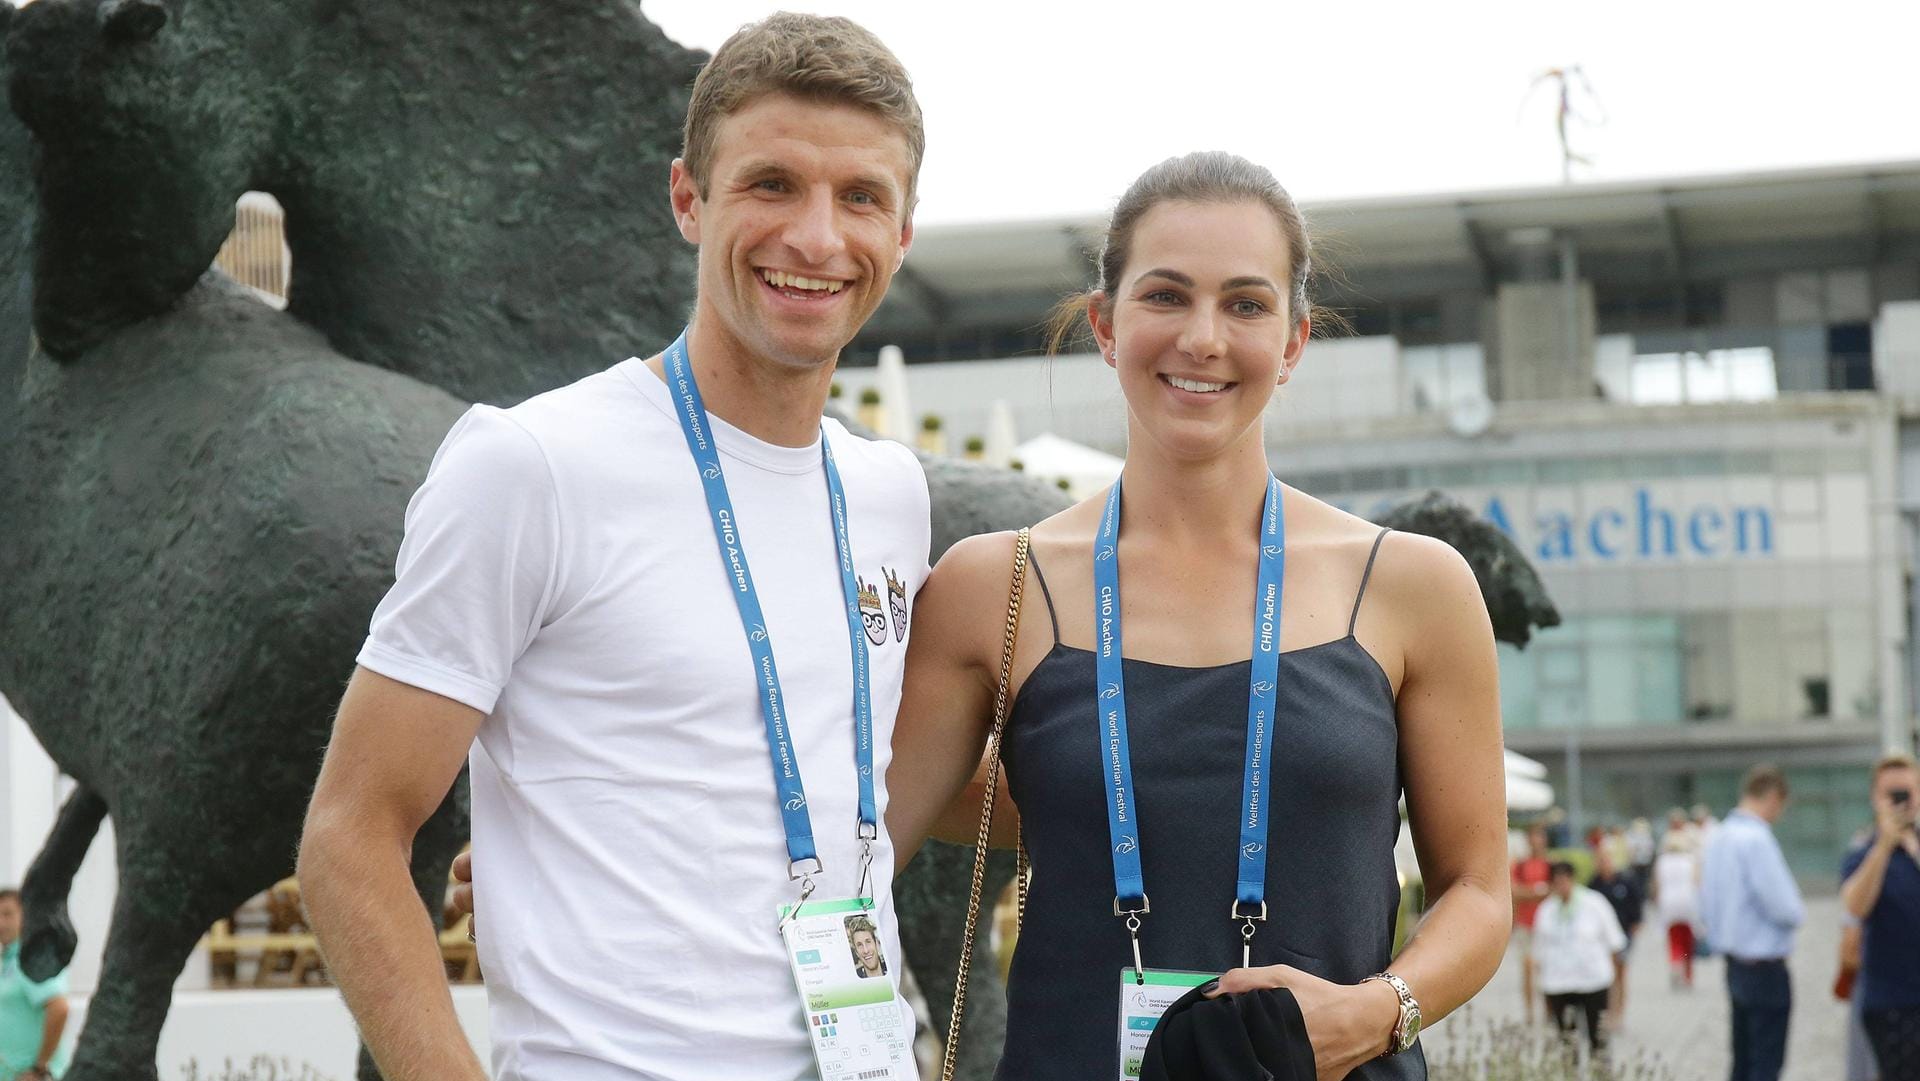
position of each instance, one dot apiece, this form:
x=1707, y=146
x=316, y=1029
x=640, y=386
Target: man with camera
x=1882, y=889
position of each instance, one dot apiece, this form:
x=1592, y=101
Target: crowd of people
x=1724, y=888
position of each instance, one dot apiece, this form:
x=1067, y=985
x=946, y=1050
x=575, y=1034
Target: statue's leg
x=434, y=847
x=159, y=914
x=47, y=939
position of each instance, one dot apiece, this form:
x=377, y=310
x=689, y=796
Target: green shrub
x=259, y=1068
x=1478, y=1050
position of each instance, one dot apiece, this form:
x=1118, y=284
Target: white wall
x=305, y=1026
x=31, y=799
x=1896, y=350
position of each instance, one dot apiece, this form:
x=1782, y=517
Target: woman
x=1676, y=889
x=1380, y=645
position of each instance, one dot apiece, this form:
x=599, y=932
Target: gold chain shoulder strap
x=987, y=798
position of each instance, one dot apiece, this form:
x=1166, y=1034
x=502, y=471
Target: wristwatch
x=1407, y=1028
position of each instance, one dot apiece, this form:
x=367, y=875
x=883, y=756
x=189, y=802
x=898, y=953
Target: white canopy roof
x=1085, y=469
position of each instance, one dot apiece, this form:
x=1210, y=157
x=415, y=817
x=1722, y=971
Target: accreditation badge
x=860, y=1027
x=1144, y=997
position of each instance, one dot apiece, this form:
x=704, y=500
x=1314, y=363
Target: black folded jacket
x=1254, y=1036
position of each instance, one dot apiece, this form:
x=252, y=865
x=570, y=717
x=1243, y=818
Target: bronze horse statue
x=203, y=495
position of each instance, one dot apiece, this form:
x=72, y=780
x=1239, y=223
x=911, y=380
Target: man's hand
x=1346, y=1024
x=1893, y=824
x=463, y=893
x=463, y=883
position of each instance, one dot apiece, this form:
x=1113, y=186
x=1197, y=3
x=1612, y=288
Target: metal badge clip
x=803, y=870
x=1248, y=919
x=1133, y=931
x=865, y=889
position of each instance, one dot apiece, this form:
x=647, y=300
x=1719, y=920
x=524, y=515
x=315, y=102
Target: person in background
x=1846, y=988
x=33, y=1016
x=1559, y=830
x=1622, y=890
x=1641, y=851
x=1704, y=824
x=1577, y=943
x=1750, y=908
x=1678, y=824
x=1530, y=886
x=1676, y=893
x=1615, y=842
x=1881, y=889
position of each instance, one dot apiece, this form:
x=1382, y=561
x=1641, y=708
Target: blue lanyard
x=1123, y=813
x=803, y=857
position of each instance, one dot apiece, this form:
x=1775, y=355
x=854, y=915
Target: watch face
x=1411, y=1031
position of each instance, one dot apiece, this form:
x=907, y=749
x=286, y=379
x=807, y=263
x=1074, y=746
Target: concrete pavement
x=1686, y=1030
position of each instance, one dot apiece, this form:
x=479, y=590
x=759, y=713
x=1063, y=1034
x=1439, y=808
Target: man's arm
x=50, y=1032
x=1861, y=890
x=1778, y=894
x=396, y=751
x=1615, y=934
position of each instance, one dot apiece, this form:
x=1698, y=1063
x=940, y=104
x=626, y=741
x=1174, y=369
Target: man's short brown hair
x=1893, y=760
x=823, y=58
x=1763, y=780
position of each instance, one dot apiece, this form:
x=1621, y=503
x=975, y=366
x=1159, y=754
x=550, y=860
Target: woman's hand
x=1346, y=1024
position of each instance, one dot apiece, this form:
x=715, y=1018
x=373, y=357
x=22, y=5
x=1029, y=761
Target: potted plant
x=933, y=439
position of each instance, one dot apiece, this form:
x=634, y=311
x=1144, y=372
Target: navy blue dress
x=1332, y=890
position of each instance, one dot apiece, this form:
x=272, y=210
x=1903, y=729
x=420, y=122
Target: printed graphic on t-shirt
x=872, y=614
x=896, y=603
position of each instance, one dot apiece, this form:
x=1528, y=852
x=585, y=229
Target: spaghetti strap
x=1354, y=619
x=1033, y=560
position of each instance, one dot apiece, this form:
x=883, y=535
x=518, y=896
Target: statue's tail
x=48, y=940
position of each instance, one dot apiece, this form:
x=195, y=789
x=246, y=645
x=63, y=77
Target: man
x=33, y=1016
x=593, y=584
x=1577, y=942
x=1622, y=890
x=1530, y=885
x=1881, y=889
x=1750, y=908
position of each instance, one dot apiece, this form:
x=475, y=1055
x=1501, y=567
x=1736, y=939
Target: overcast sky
x=1038, y=108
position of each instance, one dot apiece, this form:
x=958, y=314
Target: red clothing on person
x=1680, y=948
x=1528, y=873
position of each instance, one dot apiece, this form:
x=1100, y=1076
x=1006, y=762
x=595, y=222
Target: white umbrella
x=894, y=404
x=1000, y=438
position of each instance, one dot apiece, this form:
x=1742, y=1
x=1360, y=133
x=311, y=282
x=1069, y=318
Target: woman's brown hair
x=1210, y=176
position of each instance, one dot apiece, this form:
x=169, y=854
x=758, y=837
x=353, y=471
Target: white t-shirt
x=560, y=573
x=1574, y=943
x=1676, y=877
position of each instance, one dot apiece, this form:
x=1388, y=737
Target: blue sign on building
x=1643, y=528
